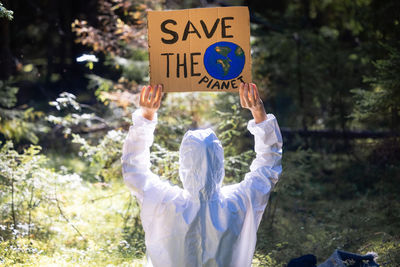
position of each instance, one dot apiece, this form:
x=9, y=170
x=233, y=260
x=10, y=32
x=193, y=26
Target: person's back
x=202, y=224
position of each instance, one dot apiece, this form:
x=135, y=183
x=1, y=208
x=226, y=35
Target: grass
x=98, y=227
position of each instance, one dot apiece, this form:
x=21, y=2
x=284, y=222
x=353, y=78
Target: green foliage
x=73, y=116
x=261, y=259
x=99, y=84
x=190, y=112
x=107, y=218
x=21, y=124
x=231, y=131
x=18, y=123
x=103, y=157
x=101, y=153
x=16, y=252
x=380, y=106
x=133, y=69
x=40, y=204
x=318, y=207
x=312, y=53
x=5, y=13
x=8, y=94
x=19, y=175
x=320, y=80
x=386, y=247
x=25, y=185
x=166, y=163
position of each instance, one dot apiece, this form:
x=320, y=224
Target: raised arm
x=266, y=167
x=136, y=149
x=265, y=128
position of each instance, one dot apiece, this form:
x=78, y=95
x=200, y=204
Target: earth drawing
x=224, y=60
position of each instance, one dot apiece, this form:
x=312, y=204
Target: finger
x=141, y=101
x=241, y=89
x=246, y=95
x=157, y=92
x=153, y=93
x=146, y=94
x=251, y=94
x=256, y=94
x=160, y=95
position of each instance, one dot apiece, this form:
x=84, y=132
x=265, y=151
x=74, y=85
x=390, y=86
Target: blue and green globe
x=224, y=60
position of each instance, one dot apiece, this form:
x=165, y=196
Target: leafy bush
x=18, y=123
x=25, y=185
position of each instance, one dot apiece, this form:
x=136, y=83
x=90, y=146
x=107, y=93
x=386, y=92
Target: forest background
x=329, y=70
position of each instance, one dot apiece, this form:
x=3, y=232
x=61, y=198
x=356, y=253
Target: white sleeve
x=266, y=167
x=136, y=155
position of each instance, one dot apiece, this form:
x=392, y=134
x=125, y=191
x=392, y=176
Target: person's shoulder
x=231, y=191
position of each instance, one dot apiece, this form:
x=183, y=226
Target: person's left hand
x=150, y=100
x=250, y=99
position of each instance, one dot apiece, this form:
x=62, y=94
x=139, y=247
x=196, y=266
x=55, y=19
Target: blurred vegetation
x=329, y=71
x=5, y=13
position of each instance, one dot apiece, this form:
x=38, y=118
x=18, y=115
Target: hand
x=250, y=99
x=150, y=100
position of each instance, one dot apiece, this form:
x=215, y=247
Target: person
x=203, y=223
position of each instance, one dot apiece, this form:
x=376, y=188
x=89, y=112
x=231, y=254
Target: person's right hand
x=250, y=99
x=150, y=100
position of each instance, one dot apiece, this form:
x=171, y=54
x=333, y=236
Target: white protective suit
x=203, y=224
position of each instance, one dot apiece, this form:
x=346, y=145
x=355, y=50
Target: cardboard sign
x=204, y=49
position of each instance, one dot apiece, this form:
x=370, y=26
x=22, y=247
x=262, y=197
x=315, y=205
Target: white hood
x=201, y=159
